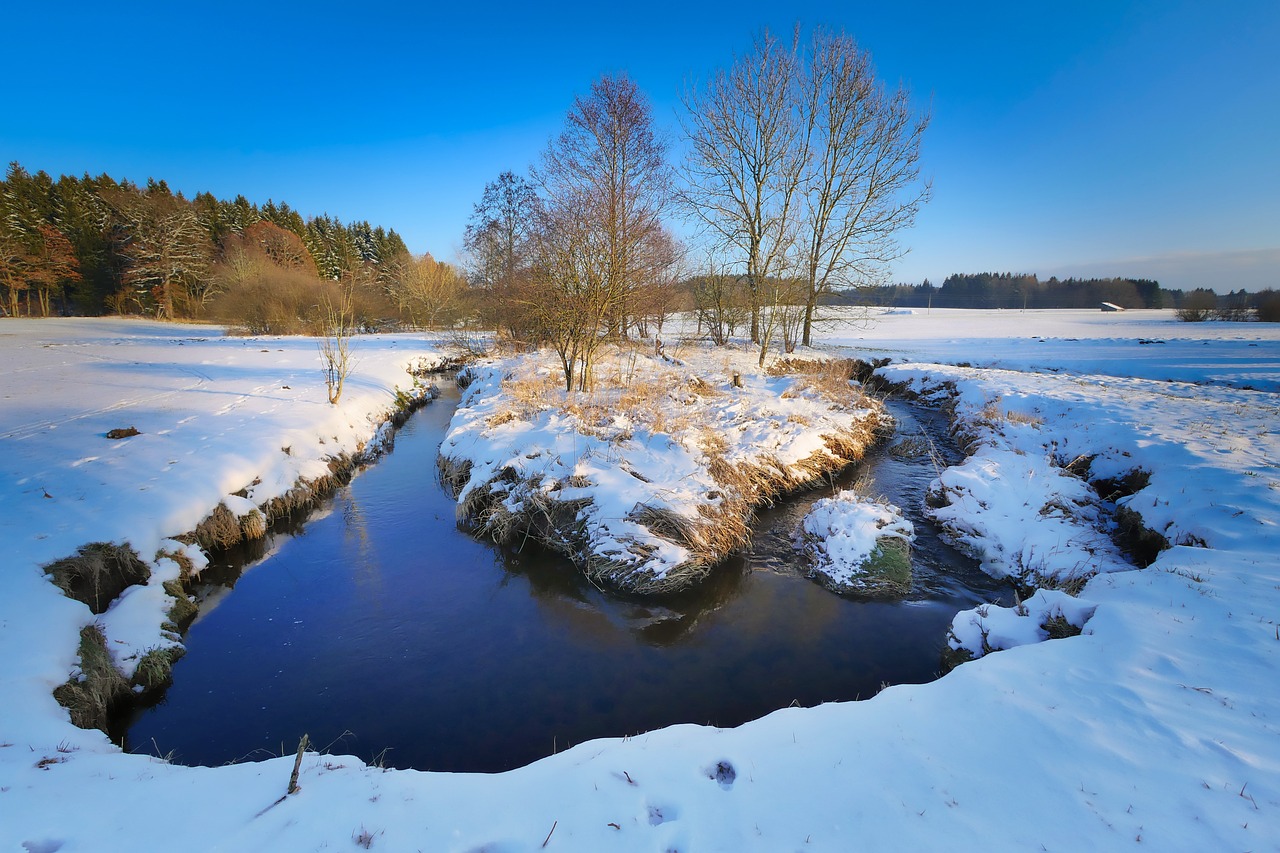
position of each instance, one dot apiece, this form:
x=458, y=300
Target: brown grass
x=219, y=530
x=184, y=610
x=100, y=688
x=98, y=573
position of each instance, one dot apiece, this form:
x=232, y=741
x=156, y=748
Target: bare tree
x=749, y=145
x=568, y=300
x=498, y=241
x=601, y=237
x=861, y=182
x=718, y=299
x=338, y=325
x=424, y=289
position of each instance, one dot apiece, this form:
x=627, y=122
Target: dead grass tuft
x=1057, y=627
x=100, y=687
x=98, y=573
x=253, y=525
x=184, y=610
x=186, y=568
x=219, y=530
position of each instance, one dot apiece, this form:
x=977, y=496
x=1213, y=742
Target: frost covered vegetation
x=1154, y=725
x=650, y=480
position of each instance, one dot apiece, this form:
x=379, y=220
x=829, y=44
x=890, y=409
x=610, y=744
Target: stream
x=381, y=630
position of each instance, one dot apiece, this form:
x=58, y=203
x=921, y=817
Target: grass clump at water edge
x=98, y=573
x=98, y=688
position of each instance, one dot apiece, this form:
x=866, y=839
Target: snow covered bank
x=227, y=424
x=1156, y=728
x=649, y=481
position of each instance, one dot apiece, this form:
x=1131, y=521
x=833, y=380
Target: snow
x=841, y=532
x=1157, y=726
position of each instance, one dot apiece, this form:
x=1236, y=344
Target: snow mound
x=856, y=544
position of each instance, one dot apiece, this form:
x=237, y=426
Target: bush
x=1197, y=306
x=1268, y=306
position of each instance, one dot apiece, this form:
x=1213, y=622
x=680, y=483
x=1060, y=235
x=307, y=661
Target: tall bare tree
x=803, y=166
x=861, y=183
x=749, y=143
x=606, y=186
x=498, y=241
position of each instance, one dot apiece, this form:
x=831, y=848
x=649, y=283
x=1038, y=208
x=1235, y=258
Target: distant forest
x=1018, y=290
x=1022, y=290
x=96, y=245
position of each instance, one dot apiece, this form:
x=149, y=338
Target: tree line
x=1026, y=291
x=1013, y=290
x=801, y=168
x=91, y=245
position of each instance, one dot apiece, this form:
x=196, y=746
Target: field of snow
x=1158, y=726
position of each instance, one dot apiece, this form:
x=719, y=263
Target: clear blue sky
x=1092, y=138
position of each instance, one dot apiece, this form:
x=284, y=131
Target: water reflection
x=385, y=628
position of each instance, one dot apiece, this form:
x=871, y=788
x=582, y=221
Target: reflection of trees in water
x=366, y=568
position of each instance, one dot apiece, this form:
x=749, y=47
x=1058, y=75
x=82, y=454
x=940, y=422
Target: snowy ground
x=1159, y=726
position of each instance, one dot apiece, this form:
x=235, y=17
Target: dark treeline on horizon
x=1016, y=290
x=1026, y=291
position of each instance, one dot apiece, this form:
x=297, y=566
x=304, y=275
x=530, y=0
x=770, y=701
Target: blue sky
x=1091, y=138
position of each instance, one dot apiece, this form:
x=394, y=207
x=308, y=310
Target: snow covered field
x=1158, y=727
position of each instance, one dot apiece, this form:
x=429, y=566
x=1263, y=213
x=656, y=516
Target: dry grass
x=92, y=696
x=1057, y=627
x=98, y=573
x=186, y=568
x=219, y=530
x=830, y=379
x=530, y=393
x=995, y=415
x=1024, y=418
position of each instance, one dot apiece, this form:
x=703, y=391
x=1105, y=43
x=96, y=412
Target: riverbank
x=1156, y=726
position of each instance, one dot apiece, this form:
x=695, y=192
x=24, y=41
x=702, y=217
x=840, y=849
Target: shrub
x=1268, y=306
x=1197, y=306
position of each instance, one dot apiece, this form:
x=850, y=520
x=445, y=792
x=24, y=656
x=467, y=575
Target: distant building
x=1111, y=306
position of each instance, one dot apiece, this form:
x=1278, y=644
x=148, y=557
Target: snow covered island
x=650, y=480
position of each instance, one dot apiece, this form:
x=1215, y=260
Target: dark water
x=386, y=633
